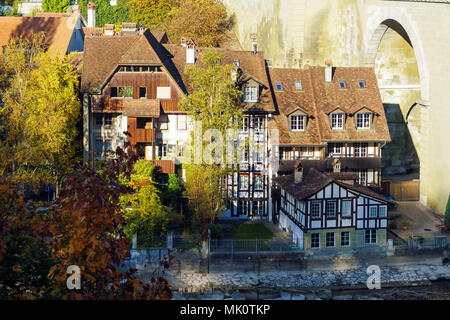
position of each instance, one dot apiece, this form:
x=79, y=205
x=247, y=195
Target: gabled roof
x=58, y=30
x=288, y=100
x=321, y=98
x=329, y=97
x=314, y=181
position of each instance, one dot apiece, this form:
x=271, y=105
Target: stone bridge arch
x=380, y=19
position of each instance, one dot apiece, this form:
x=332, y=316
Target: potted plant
x=405, y=225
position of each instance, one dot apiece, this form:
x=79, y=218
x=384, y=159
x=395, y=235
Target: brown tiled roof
x=319, y=98
x=315, y=181
x=289, y=100
x=329, y=97
x=101, y=56
x=136, y=108
x=161, y=36
x=53, y=14
x=58, y=31
x=252, y=66
x=342, y=175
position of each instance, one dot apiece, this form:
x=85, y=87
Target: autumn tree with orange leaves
x=83, y=228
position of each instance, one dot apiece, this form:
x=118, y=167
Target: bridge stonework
x=300, y=33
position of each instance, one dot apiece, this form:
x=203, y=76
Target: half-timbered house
x=330, y=112
x=324, y=212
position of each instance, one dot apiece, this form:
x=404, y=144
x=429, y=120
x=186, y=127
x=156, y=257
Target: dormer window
x=250, y=94
x=342, y=84
x=278, y=86
x=361, y=83
x=337, y=121
x=298, y=123
x=363, y=120
x=237, y=63
x=298, y=86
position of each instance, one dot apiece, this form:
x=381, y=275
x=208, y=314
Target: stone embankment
x=296, y=285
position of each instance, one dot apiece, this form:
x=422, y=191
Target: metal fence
x=421, y=243
x=233, y=246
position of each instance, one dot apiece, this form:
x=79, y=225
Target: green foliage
x=55, y=5
x=216, y=231
x=251, y=231
x=216, y=99
x=40, y=114
x=152, y=13
x=143, y=210
x=105, y=13
x=447, y=214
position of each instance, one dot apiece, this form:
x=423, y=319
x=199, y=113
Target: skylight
x=278, y=86
x=298, y=86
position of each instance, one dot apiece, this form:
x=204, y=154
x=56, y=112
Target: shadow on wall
x=399, y=157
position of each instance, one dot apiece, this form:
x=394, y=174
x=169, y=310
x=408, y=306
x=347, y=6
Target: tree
x=206, y=197
x=25, y=259
x=215, y=103
x=55, y=5
x=106, y=13
x=205, y=21
x=215, y=100
x=40, y=113
x=152, y=13
x=83, y=228
x=142, y=208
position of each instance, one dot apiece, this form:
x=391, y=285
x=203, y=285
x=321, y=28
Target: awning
x=141, y=108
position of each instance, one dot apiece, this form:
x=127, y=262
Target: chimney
x=183, y=42
x=91, y=14
x=190, y=52
x=253, y=36
x=336, y=163
x=129, y=27
x=298, y=173
x=328, y=71
x=109, y=29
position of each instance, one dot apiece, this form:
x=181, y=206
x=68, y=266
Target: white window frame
x=258, y=182
x=372, y=235
x=298, y=123
x=318, y=241
x=349, y=212
x=243, y=207
x=382, y=213
x=327, y=238
x=316, y=215
x=327, y=208
x=349, y=239
x=250, y=94
x=243, y=182
x=244, y=125
x=337, y=121
x=259, y=124
x=373, y=212
x=363, y=120
x=181, y=122
x=333, y=147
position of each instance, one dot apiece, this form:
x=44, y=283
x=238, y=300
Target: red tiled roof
x=58, y=31
x=314, y=181
x=319, y=98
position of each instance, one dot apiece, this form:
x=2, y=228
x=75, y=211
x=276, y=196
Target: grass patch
x=251, y=231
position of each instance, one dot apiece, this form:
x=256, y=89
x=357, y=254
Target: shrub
x=216, y=231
